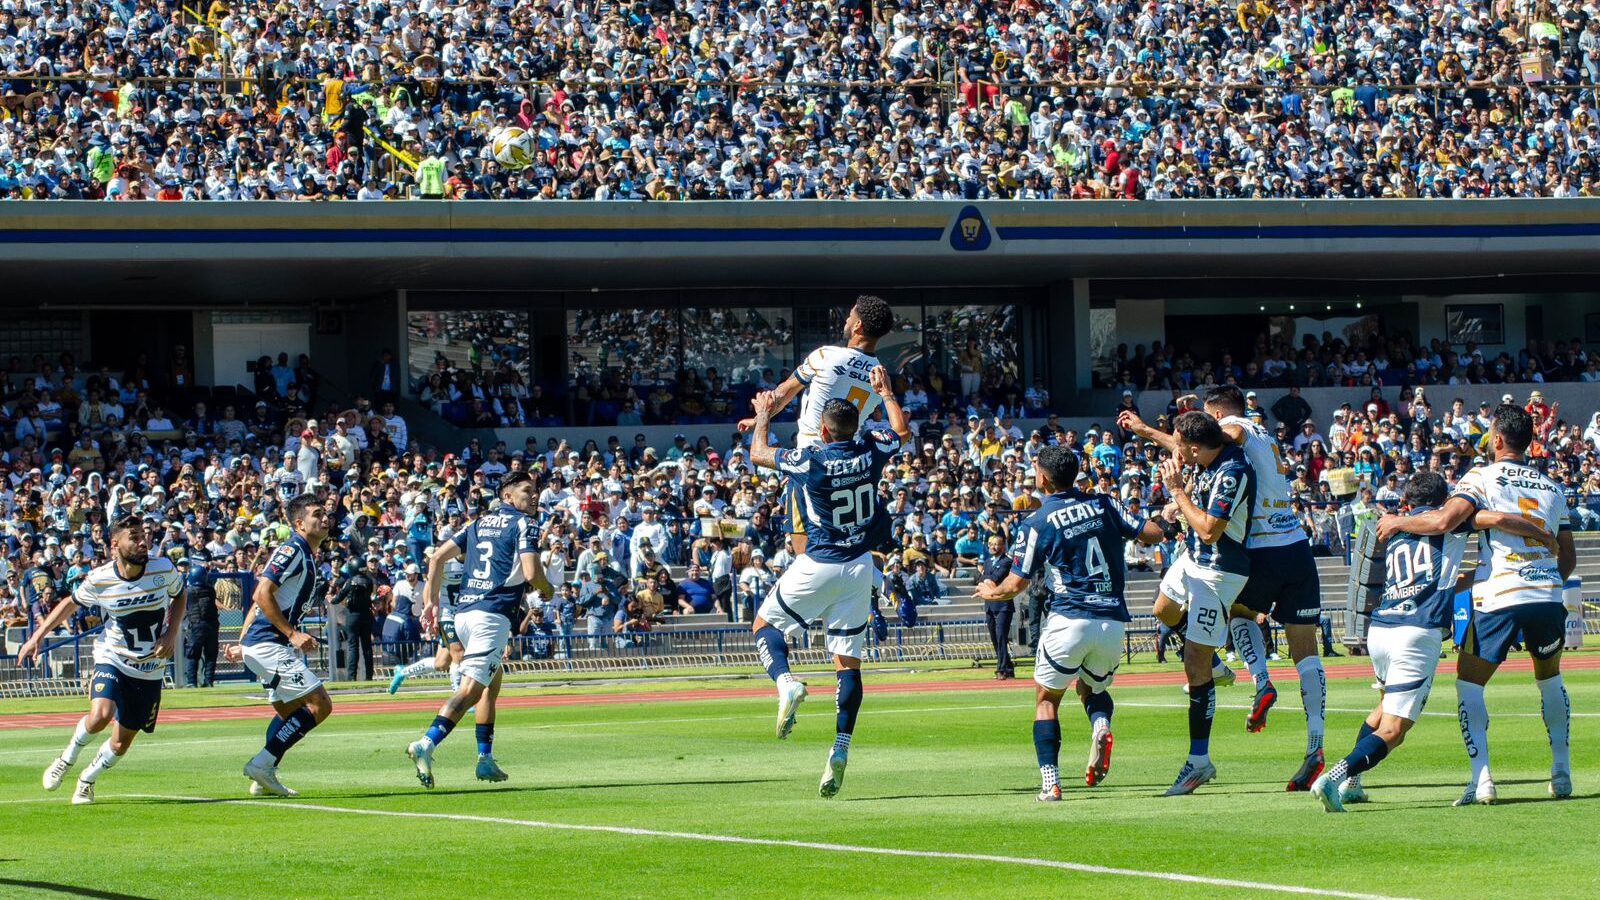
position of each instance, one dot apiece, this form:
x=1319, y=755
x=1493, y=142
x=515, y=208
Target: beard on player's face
x=134, y=551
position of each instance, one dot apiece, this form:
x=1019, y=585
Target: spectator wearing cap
x=649, y=533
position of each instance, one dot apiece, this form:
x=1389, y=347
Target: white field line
x=1035, y=862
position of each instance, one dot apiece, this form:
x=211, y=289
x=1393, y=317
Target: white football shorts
x=281, y=670
x=1208, y=594
x=483, y=636
x=838, y=595
x=1404, y=657
x=1087, y=649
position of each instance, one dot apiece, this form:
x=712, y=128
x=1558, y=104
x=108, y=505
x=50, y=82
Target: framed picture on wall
x=1478, y=323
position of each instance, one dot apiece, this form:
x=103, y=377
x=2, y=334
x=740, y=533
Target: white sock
x=1557, y=712
x=455, y=678
x=263, y=758
x=786, y=678
x=1314, y=696
x=1051, y=776
x=1354, y=781
x=1249, y=641
x=418, y=668
x=103, y=760
x=80, y=737
x=1200, y=760
x=841, y=741
x=1474, y=727
x=1220, y=669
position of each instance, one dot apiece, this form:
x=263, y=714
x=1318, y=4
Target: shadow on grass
x=319, y=797
x=1003, y=792
x=69, y=890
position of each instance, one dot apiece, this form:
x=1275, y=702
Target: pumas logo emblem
x=970, y=231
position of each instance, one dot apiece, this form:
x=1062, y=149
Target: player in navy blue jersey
x=1200, y=588
x=1074, y=541
x=501, y=554
x=835, y=486
x=273, y=646
x=1422, y=577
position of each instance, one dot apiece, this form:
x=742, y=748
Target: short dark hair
x=299, y=506
x=1227, y=396
x=123, y=524
x=1060, y=465
x=842, y=419
x=876, y=318
x=1514, y=426
x=514, y=479
x=1426, y=489
x=1199, y=428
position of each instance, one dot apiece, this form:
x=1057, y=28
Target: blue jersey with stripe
x=1225, y=489
x=1420, y=578
x=294, y=570
x=1075, y=541
x=493, y=545
x=837, y=491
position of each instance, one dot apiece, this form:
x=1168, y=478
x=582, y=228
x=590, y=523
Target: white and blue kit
x=491, y=588
x=1518, y=596
x=125, y=670
x=835, y=490
x=280, y=668
x=1413, y=614
x=1074, y=542
x=1209, y=577
x=1283, y=573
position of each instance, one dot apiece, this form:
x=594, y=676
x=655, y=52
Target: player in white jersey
x=1283, y=577
x=1516, y=597
x=448, y=656
x=143, y=602
x=832, y=373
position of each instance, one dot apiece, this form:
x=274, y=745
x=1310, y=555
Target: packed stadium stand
x=831, y=99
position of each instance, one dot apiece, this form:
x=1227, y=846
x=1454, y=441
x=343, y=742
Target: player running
x=1516, y=598
x=1283, y=575
x=143, y=602
x=1200, y=588
x=501, y=556
x=836, y=487
x=1075, y=540
x=1407, y=632
x=448, y=656
x=272, y=645
x=832, y=373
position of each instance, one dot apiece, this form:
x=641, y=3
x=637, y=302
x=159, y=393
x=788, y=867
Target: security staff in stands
x=199, y=619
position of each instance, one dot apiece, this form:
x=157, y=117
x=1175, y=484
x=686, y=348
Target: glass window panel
x=616, y=358
x=471, y=365
x=975, y=350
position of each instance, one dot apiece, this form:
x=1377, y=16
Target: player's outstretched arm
x=761, y=452
x=266, y=604
x=1129, y=420
x=781, y=398
x=898, y=423
x=1443, y=520
x=30, y=648
x=1207, y=526
x=1005, y=590
x=533, y=574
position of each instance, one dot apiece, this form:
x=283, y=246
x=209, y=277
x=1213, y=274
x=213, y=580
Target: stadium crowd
x=762, y=99
x=633, y=534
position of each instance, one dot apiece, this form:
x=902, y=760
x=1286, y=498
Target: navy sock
x=440, y=729
x=1216, y=659
x=289, y=732
x=1369, y=751
x=1047, y=741
x=1365, y=730
x=485, y=735
x=847, y=701
x=1099, y=706
x=773, y=651
x=273, y=726
x=1202, y=707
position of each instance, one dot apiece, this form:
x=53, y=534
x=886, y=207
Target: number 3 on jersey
x=853, y=507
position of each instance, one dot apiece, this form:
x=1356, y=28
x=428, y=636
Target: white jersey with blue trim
x=833, y=373
x=135, y=615
x=1272, y=519
x=1520, y=570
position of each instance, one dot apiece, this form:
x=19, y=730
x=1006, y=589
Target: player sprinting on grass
x=831, y=373
x=143, y=602
x=1516, y=598
x=272, y=645
x=837, y=489
x=448, y=657
x=1200, y=588
x=1283, y=576
x=1407, y=632
x=501, y=555
x=1074, y=540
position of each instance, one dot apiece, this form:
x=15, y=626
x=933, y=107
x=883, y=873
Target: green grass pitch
x=667, y=784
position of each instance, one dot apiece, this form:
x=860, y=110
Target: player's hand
x=28, y=652
x=166, y=647
x=763, y=404
x=879, y=376
x=1170, y=512
x=233, y=653
x=430, y=618
x=1128, y=420
x=745, y=425
x=303, y=642
x=1389, y=526
x=1172, y=475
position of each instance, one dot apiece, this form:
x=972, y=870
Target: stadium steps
x=960, y=604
